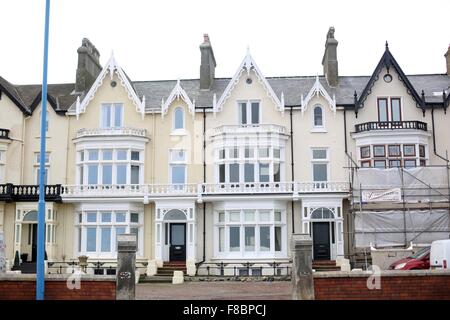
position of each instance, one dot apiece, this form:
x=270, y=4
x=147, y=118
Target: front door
x=177, y=251
x=321, y=240
x=33, y=242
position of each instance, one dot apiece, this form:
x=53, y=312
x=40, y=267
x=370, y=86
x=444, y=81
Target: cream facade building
x=213, y=170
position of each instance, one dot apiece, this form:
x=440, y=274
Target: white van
x=440, y=254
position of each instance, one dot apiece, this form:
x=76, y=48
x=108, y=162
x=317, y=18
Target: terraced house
x=221, y=171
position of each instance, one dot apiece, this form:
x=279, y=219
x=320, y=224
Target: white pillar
x=159, y=243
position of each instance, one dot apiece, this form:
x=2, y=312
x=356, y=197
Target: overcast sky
x=160, y=39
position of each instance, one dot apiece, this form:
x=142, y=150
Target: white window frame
x=248, y=112
x=316, y=128
x=173, y=163
x=36, y=166
x=256, y=223
x=183, y=128
x=389, y=107
x=320, y=161
x=112, y=119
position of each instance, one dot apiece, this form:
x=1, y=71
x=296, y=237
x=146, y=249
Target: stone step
x=156, y=279
x=168, y=272
x=324, y=262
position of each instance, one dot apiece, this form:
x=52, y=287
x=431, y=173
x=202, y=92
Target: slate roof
x=63, y=97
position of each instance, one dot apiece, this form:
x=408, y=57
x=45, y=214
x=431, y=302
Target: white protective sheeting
x=422, y=184
x=387, y=228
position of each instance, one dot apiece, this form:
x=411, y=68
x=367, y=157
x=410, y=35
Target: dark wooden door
x=33, y=242
x=177, y=242
x=321, y=240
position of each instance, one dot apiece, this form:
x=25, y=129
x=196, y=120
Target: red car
x=419, y=260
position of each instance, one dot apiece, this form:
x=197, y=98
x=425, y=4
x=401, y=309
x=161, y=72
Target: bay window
x=97, y=231
x=110, y=166
x=407, y=155
x=250, y=233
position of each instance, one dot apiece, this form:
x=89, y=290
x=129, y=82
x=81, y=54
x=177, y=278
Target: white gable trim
x=317, y=89
x=112, y=68
x=177, y=93
x=248, y=64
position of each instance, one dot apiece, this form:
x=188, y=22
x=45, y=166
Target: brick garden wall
x=23, y=287
x=394, y=285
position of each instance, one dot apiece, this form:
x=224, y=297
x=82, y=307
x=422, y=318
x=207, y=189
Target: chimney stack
x=447, y=58
x=88, y=66
x=329, y=61
x=208, y=64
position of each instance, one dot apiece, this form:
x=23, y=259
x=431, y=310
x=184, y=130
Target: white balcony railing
x=202, y=189
x=249, y=128
x=111, y=132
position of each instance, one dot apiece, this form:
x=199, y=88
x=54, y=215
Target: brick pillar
x=302, y=277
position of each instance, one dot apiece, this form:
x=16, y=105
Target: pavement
x=216, y=290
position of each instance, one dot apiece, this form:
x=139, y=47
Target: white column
x=190, y=254
x=159, y=243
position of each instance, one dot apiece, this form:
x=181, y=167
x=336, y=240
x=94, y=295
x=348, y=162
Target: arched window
x=318, y=116
x=322, y=213
x=174, y=214
x=178, y=118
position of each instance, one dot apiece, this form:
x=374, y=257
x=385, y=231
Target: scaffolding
x=392, y=208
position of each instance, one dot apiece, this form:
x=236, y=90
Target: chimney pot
x=208, y=64
x=329, y=61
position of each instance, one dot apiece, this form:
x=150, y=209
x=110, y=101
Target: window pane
x=134, y=217
x=178, y=174
x=249, y=172
x=118, y=115
x=121, y=174
x=121, y=154
x=134, y=174
x=92, y=174
x=136, y=232
x=179, y=119
x=276, y=172
x=235, y=243
x=107, y=154
x=249, y=216
x=235, y=216
x=320, y=172
x=120, y=216
x=234, y=172
x=422, y=151
x=79, y=239
x=277, y=238
x=93, y=154
x=221, y=173
x=379, y=164
x=394, y=150
x=106, y=240
x=234, y=153
x=249, y=238
x=221, y=216
x=319, y=154
x=394, y=163
x=38, y=172
x=365, y=152
x=409, y=150
x=318, y=117
x=264, y=215
x=107, y=174
x=264, y=172
x=106, y=116
x=255, y=112
x=119, y=230
x=396, y=112
x=135, y=155
x=276, y=153
x=278, y=216
x=91, y=239
x=249, y=152
x=379, y=151
x=222, y=154
x=264, y=238
x=410, y=163
x=243, y=112
x=81, y=156
x=91, y=216
x=106, y=216
x=221, y=239
x=382, y=110
x=365, y=164
x=263, y=152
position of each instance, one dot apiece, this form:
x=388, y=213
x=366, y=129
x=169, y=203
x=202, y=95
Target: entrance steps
x=325, y=265
x=165, y=273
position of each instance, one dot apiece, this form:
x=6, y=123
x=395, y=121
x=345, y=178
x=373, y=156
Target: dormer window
x=112, y=115
x=178, y=119
x=249, y=113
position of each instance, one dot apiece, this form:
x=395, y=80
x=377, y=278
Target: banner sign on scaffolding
x=392, y=195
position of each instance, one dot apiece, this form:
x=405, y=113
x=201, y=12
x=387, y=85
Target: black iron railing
x=390, y=125
x=11, y=192
x=246, y=269
x=4, y=133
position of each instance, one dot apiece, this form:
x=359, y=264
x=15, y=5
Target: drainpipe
x=434, y=138
x=292, y=168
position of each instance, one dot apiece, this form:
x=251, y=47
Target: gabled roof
x=11, y=92
x=318, y=89
x=388, y=61
x=112, y=68
x=177, y=93
x=248, y=64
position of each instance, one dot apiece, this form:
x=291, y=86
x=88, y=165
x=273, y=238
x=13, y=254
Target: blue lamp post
x=40, y=284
